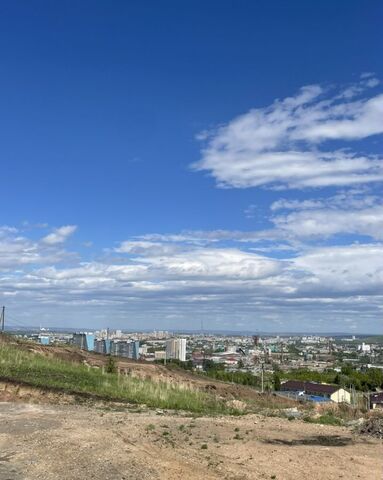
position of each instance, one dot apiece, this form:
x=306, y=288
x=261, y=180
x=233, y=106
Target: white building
x=176, y=349
x=159, y=355
x=364, y=348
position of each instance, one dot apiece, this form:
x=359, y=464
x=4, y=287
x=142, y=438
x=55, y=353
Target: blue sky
x=166, y=163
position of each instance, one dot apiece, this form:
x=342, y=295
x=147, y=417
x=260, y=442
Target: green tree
x=276, y=381
x=111, y=366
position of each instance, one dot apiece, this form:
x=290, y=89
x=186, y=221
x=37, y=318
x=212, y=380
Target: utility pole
x=262, y=386
x=2, y=319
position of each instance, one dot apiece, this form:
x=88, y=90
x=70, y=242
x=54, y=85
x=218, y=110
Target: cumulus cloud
x=345, y=213
x=176, y=279
x=215, y=262
x=17, y=251
x=59, y=235
x=355, y=269
x=283, y=145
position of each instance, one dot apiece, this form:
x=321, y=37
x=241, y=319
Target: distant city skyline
x=168, y=165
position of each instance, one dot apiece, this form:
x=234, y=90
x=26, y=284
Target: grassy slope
x=39, y=371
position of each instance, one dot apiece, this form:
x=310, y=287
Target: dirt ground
x=70, y=442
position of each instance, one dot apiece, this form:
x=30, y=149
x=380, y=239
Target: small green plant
x=326, y=419
x=150, y=427
x=165, y=433
x=181, y=428
x=236, y=429
x=237, y=436
x=204, y=446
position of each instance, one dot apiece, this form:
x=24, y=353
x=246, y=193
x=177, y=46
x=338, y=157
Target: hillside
x=88, y=364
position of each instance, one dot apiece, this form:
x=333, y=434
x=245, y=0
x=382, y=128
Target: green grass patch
x=54, y=374
x=326, y=419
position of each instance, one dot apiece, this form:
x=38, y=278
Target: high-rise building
x=84, y=340
x=125, y=349
x=176, y=349
x=102, y=346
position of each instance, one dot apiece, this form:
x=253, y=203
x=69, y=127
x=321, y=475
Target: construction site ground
x=57, y=442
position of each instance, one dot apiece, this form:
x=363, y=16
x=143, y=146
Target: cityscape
x=261, y=358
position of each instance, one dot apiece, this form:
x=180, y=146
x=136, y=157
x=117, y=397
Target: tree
x=276, y=381
x=111, y=366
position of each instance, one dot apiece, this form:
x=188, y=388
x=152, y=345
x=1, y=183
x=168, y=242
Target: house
x=334, y=393
x=376, y=400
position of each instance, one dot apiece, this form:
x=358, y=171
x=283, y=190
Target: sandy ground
x=78, y=442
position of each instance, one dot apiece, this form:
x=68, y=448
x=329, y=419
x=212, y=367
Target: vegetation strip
x=59, y=375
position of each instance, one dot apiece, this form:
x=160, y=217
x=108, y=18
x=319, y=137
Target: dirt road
x=75, y=442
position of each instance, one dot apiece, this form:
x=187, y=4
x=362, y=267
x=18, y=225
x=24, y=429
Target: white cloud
x=204, y=237
x=18, y=251
x=59, y=235
x=278, y=146
x=143, y=247
x=283, y=204
x=215, y=262
x=355, y=269
x=345, y=213
x=179, y=280
x=325, y=223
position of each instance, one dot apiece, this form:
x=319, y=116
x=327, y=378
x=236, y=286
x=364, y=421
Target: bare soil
x=68, y=442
